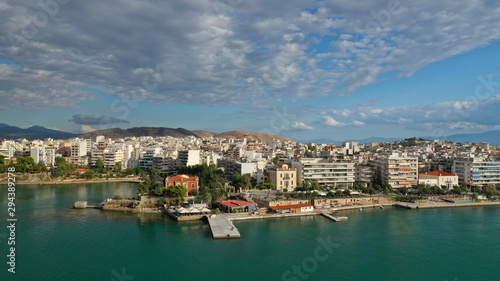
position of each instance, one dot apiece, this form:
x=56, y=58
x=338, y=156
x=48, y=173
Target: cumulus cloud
x=358, y=123
x=301, y=126
x=229, y=53
x=468, y=114
x=86, y=129
x=95, y=120
x=329, y=121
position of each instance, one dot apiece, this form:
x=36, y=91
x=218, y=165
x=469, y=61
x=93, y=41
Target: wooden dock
x=222, y=228
x=335, y=219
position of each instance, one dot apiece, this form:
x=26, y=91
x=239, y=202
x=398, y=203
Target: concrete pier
x=335, y=219
x=221, y=227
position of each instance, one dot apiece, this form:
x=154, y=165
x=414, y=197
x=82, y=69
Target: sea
x=55, y=242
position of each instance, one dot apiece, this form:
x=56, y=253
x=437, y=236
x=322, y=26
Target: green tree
x=99, y=166
x=149, y=181
x=490, y=190
x=118, y=167
x=266, y=185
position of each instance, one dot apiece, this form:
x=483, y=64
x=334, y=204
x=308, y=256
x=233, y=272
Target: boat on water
x=381, y=207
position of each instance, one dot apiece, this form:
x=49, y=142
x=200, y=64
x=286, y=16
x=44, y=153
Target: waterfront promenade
x=442, y=204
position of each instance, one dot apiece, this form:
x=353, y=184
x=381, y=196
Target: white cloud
x=86, y=129
x=229, y=52
x=344, y=112
x=329, y=121
x=358, y=123
x=301, y=126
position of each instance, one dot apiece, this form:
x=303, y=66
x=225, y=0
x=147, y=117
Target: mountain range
x=39, y=132
x=31, y=133
x=491, y=137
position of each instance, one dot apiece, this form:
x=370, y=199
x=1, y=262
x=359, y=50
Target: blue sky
x=300, y=69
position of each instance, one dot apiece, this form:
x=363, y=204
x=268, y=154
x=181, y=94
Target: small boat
x=381, y=207
x=360, y=209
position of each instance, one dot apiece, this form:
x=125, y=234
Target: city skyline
x=321, y=69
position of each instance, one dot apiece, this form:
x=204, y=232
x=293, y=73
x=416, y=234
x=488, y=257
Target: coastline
x=77, y=181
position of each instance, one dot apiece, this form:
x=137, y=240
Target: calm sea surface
x=54, y=242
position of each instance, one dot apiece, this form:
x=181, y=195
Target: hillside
x=241, y=134
x=117, y=133
x=31, y=133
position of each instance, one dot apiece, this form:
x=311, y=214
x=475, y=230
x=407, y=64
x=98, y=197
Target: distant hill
x=31, y=133
x=117, y=133
x=491, y=137
x=241, y=134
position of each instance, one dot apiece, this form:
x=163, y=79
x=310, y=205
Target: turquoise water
x=54, y=242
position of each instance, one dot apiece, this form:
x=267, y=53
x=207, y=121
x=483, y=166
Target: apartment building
x=398, y=170
x=189, y=157
x=477, y=170
x=364, y=175
x=336, y=174
x=46, y=155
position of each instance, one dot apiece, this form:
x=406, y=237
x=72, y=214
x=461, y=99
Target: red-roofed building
x=296, y=208
x=191, y=183
x=438, y=178
x=232, y=206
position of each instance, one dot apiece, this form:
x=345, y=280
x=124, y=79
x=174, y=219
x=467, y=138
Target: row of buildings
x=287, y=164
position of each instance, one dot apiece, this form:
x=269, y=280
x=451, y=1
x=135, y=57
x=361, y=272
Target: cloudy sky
x=302, y=69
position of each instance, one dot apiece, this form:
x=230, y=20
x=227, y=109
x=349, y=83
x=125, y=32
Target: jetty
x=85, y=205
x=221, y=227
x=334, y=218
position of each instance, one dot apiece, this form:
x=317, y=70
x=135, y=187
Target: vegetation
x=211, y=181
x=150, y=181
x=241, y=181
x=23, y=165
x=62, y=168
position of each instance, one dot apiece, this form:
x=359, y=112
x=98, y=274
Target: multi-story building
x=233, y=167
x=188, y=157
x=364, y=175
x=166, y=165
x=108, y=156
x=283, y=176
x=336, y=174
x=47, y=155
x=78, y=150
x=477, y=170
x=398, y=170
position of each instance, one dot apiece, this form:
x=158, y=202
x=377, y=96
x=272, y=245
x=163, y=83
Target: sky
x=300, y=69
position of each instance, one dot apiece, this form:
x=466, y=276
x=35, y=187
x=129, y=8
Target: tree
x=403, y=190
x=266, y=185
x=88, y=175
x=118, y=167
x=62, y=168
x=490, y=190
x=99, y=166
x=150, y=181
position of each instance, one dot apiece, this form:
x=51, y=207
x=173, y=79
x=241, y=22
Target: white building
x=477, y=170
x=46, y=155
x=337, y=174
x=189, y=157
x=398, y=170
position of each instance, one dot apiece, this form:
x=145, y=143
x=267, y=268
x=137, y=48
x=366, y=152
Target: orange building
x=191, y=183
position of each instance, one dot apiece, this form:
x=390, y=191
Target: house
x=296, y=208
x=438, y=178
x=232, y=206
x=191, y=183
